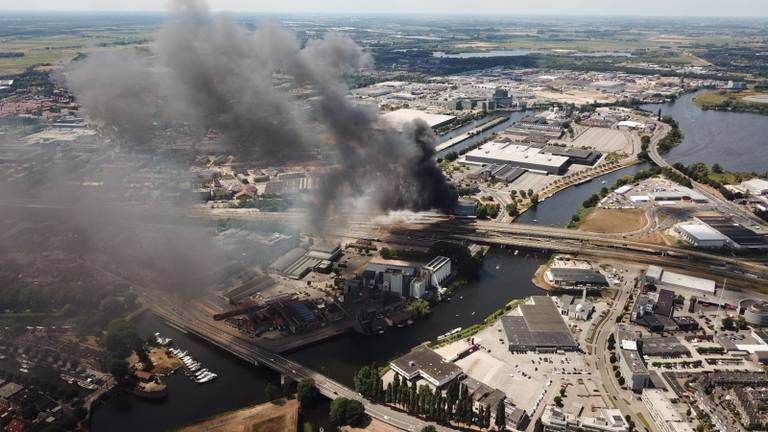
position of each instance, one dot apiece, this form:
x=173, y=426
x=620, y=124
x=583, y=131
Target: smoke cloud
x=204, y=72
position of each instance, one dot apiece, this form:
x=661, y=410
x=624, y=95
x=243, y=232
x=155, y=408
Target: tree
x=530, y=193
x=307, y=392
x=429, y=428
x=345, y=412
x=535, y=200
x=119, y=370
x=728, y=324
x=121, y=338
x=716, y=168
x=419, y=308
x=559, y=401
x=501, y=416
x=271, y=391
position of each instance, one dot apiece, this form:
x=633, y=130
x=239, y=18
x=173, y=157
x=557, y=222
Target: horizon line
x=488, y=14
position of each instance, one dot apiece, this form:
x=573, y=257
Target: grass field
x=613, y=221
x=58, y=50
x=722, y=96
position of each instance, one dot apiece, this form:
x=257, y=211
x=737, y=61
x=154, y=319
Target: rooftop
x=427, y=363
x=539, y=326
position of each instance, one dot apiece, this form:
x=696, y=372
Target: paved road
x=202, y=325
x=726, y=205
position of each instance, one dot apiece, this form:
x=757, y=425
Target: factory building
x=427, y=365
x=739, y=237
x=701, y=235
x=418, y=287
x=658, y=276
x=438, y=270
x=538, y=327
x=755, y=311
x=663, y=413
x=522, y=156
x=577, y=156
x=570, y=277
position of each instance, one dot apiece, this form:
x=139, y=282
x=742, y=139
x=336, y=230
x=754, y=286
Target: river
x=736, y=141
x=503, y=277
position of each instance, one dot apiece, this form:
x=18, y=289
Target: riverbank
x=740, y=101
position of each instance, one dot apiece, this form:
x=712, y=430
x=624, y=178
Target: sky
x=713, y=8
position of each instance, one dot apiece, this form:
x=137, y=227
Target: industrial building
x=658, y=315
x=247, y=289
x=538, y=327
x=573, y=308
x=427, y=365
x=298, y=262
x=522, y=156
x=577, y=156
x=701, y=235
x=571, y=277
x=438, y=270
x=400, y=118
x=657, y=275
x=666, y=347
x=739, y=237
x=663, y=413
x=754, y=311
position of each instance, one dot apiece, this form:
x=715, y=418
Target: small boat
x=516, y=251
x=498, y=267
x=473, y=313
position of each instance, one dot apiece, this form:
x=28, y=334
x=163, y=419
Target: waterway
x=557, y=210
x=514, y=116
x=736, y=141
x=484, y=54
x=503, y=277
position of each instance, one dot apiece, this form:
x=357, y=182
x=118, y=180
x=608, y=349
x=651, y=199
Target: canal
x=504, y=276
x=557, y=210
x=736, y=141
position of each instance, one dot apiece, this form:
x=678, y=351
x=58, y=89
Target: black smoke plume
x=206, y=72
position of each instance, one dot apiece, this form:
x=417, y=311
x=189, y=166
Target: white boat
x=516, y=251
x=498, y=267
x=452, y=332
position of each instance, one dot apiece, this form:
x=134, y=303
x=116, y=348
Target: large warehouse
x=538, y=327
x=523, y=156
x=701, y=235
x=570, y=277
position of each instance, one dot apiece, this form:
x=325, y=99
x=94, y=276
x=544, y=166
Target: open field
x=723, y=96
x=267, y=417
x=614, y=221
x=57, y=50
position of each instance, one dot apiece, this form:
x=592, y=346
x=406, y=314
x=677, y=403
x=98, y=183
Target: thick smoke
x=205, y=72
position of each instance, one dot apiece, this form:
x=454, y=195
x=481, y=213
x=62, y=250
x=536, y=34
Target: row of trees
x=455, y=405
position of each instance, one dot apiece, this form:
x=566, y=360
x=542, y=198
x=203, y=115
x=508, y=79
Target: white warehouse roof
x=701, y=232
x=690, y=282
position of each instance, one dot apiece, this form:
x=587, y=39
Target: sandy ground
x=164, y=364
x=268, y=417
x=373, y=426
x=614, y=221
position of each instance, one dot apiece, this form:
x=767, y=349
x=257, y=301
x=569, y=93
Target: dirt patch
x=268, y=417
x=163, y=363
x=613, y=221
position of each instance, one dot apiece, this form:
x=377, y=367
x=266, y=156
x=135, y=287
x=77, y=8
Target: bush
x=345, y=412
